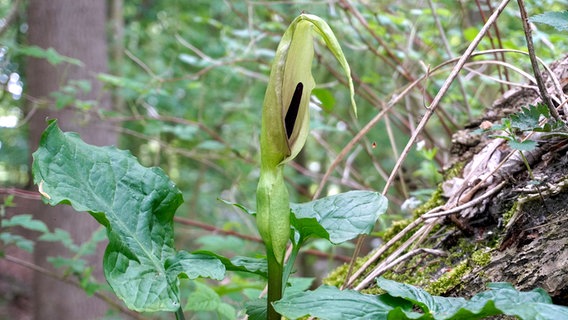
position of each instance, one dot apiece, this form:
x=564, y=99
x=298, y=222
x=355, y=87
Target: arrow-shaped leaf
x=340, y=217
x=136, y=205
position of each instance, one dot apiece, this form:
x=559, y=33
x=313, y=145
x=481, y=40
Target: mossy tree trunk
x=512, y=223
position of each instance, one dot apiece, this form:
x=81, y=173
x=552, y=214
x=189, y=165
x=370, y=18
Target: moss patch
x=435, y=200
x=510, y=213
x=437, y=275
x=337, y=276
x=481, y=258
x=449, y=280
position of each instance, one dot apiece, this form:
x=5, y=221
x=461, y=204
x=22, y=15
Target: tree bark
x=528, y=215
x=523, y=225
x=493, y=219
x=75, y=29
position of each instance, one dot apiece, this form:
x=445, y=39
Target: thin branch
x=317, y=176
x=213, y=229
x=21, y=193
x=490, y=37
x=405, y=257
x=450, y=54
x=417, y=238
x=348, y=148
x=212, y=133
x=433, y=106
x=539, y=81
x=436, y=214
x=396, y=98
x=141, y=64
x=216, y=62
x=395, y=60
x=499, y=41
x=204, y=226
x=507, y=66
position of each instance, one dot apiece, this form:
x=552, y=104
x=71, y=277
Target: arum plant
x=285, y=127
x=136, y=204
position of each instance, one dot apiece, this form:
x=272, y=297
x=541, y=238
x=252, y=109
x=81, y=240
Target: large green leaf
x=136, y=205
x=337, y=218
x=244, y=264
x=502, y=298
x=330, y=303
x=535, y=304
x=256, y=309
x=340, y=217
x=440, y=307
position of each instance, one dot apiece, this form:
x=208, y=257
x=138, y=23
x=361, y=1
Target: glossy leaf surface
x=136, y=205
x=340, y=217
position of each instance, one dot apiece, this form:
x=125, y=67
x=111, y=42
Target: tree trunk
x=75, y=29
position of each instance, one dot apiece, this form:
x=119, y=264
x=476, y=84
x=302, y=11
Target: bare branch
x=539, y=81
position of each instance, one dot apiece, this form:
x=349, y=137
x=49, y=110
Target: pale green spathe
x=292, y=65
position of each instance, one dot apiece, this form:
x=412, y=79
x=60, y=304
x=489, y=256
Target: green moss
x=457, y=263
x=454, y=171
x=420, y=276
x=481, y=258
x=510, y=213
x=394, y=229
x=423, y=269
x=464, y=248
x=449, y=279
x=373, y=290
x=337, y=277
x=453, y=277
x=435, y=200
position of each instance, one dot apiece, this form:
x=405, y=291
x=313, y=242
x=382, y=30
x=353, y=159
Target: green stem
x=526, y=162
x=274, y=285
x=290, y=263
x=179, y=314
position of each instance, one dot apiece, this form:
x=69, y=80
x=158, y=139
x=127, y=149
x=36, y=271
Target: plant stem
x=290, y=263
x=527, y=165
x=179, y=314
x=526, y=161
x=274, y=284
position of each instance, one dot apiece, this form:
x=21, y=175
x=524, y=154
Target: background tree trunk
x=75, y=29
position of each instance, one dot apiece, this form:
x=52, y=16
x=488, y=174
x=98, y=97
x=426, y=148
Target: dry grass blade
x=429, y=112
x=434, y=216
x=453, y=74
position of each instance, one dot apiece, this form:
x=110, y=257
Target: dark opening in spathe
x=292, y=113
